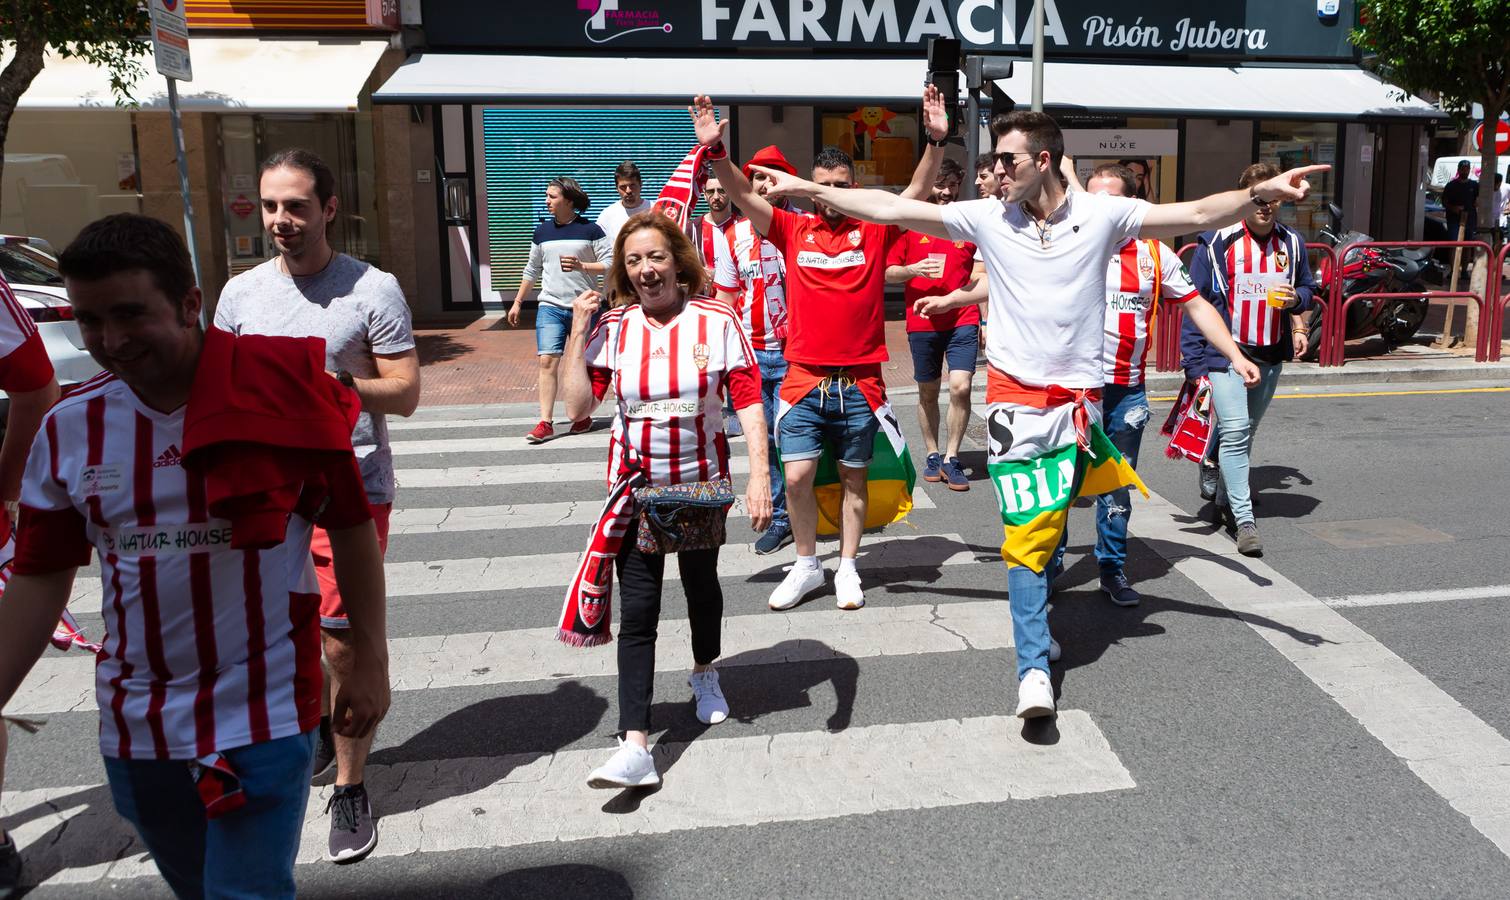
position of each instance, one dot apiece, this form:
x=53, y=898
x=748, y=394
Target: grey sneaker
x=10, y=865
x=324, y=771
x=1210, y=481
x=1248, y=541
x=1117, y=587
x=353, y=833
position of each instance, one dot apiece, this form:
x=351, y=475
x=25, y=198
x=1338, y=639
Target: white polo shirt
x=1047, y=295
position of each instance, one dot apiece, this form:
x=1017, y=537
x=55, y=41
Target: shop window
x=1291, y=144
x=66, y=168
x=523, y=149
x=882, y=140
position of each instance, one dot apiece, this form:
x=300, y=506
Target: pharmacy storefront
x=1185, y=94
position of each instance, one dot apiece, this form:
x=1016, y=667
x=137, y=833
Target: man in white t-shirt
x=1046, y=255
x=629, y=184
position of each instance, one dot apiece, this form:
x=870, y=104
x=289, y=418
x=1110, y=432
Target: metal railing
x=1486, y=301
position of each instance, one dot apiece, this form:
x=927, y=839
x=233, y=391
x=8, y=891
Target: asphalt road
x=1218, y=740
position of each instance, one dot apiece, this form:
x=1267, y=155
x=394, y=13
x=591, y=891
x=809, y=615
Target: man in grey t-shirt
x=310, y=290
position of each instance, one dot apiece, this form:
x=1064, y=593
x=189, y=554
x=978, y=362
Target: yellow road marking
x=1167, y=398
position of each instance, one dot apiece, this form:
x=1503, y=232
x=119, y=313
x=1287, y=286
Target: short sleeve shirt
x=667, y=379
x=835, y=287
x=358, y=309
x=1048, y=287
x=959, y=262
x=1141, y=275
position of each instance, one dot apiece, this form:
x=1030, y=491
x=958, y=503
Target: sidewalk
x=486, y=361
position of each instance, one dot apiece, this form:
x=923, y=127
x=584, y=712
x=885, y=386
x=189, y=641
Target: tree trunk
x=17, y=77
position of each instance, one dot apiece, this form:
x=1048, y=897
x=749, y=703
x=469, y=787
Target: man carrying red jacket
x=209, y=682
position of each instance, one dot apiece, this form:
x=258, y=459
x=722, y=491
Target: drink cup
x=566, y=262
x=1276, y=296
x=937, y=259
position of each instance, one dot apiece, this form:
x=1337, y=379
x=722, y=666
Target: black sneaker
x=325, y=756
x=10, y=865
x=1117, y=587
x=775, y=537
x=1210, y=481
x=1248, y=541
x=353, y=833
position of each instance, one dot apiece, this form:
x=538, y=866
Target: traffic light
x=943, y=73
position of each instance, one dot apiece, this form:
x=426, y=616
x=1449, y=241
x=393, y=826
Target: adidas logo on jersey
x=169, y=457
x=658, y=353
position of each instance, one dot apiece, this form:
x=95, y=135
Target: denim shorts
x=930, y=349
x=833, y=414
x=552, y=325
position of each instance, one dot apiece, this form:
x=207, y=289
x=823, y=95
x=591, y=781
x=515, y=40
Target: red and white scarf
x=587, y=613
x=680, y=193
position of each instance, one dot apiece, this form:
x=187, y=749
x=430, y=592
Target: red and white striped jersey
x=206, y=648
x=710, y=235
x=667, y=381
x=752, y=267
x=1135, y=272
x=1252, y=266
x=24, y=365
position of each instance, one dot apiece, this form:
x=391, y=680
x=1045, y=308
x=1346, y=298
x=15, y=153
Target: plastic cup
x=938, y=260
x=1276, y=296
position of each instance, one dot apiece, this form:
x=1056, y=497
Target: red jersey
x=835, y=287
x=959, y=262
x=1141, y=273
x=24, y=365
x=667, y=379
x=206, y=648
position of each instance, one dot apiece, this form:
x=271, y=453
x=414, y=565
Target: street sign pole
x=183, y=183
x=1037, y=55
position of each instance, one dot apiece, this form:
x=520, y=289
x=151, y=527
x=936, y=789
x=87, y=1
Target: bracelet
x=718, y=151
x=941, y=142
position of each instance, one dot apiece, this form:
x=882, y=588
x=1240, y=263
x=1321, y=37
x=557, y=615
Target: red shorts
x=332, y=609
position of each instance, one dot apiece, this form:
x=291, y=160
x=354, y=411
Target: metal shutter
x=525, y=148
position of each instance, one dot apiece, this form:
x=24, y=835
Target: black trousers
x=640, y=578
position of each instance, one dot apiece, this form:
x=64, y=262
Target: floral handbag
x=688, y=516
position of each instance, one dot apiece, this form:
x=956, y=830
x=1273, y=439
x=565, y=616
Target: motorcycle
x=1369, y=270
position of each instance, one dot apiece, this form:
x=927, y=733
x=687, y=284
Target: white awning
x=230, y=74
x=1329, y=93
x=495, y=79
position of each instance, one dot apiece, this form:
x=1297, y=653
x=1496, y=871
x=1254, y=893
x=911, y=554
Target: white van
x=1446, y=169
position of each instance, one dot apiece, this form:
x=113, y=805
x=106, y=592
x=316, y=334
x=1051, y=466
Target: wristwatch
x=936, y=143
x=345, y=378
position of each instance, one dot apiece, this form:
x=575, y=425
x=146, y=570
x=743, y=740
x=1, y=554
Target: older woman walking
x=666, y=353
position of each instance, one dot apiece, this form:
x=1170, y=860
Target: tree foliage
x=105, y=33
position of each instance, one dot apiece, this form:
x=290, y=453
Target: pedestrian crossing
x=721, y=779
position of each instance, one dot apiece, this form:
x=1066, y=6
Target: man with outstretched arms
x=835, y=345
x=1045, y=252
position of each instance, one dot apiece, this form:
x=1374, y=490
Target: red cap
x=771, y=158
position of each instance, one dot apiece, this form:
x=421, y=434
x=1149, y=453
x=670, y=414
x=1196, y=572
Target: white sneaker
x=799, y=582
x=847, y=586
x=1054, y=651
x=712, y=708
x=1035, y=695
x=631, y=766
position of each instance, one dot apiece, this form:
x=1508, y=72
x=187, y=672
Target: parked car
x=31, y=269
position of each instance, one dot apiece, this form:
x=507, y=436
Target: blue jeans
x=248, y=853
x=1124, y=414
x=840, y=416
x=1028, y=595
x=1239, y=409
x=552, y=326
x=772, y=370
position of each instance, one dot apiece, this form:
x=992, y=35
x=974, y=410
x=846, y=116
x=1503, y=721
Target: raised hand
x=1288, y=186
x=710, y=131
x=935, y=113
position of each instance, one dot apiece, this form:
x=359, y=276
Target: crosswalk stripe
x=1394, y=598
x=440, y=519
x=594, y=440
x=61, y=684
x=502, y=573
x=418, y=424
x=530, y=798
x=528, y=473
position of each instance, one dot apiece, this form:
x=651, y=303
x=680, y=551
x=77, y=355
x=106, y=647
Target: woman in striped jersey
x=668, y=354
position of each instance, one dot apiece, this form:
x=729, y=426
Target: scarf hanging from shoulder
x=587, y=612
x=890, y=478
x=1045, y=449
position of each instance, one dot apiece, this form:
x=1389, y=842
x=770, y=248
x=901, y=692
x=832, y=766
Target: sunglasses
x=1009, y=160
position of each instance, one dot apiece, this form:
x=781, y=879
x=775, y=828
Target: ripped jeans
x=1125, y=412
